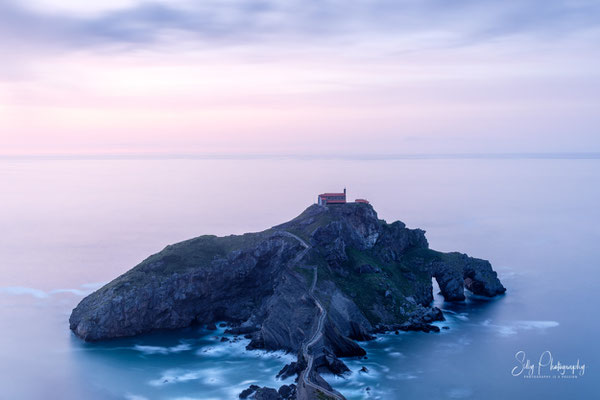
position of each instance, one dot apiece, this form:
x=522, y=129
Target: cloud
x=268, y=76
x=217, y=23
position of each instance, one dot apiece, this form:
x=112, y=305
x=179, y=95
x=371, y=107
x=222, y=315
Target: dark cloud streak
x=296, y=21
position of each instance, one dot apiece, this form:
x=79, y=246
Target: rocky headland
x=315, y=286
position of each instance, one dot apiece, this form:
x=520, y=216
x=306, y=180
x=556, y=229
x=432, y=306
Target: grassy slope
x=420, y=256
x=186, y=255
x=369, y=289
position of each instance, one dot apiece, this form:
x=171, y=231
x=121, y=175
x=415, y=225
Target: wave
x=238, y=347
x=514, y=327
x=197, y=398
x=462, y=316
x=208, y=376
x=129, y=396
x=84, y=290
x=162, y=350
x=21, y=290
x=396, y=354
x=460, y=393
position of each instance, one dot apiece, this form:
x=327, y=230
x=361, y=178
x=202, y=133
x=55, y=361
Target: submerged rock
x=249, y=391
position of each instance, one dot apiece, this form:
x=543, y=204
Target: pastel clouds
x=268, y=77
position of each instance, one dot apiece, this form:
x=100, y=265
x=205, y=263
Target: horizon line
x=303, y=156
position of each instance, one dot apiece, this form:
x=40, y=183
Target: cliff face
x=370, y=273
x=201, y=280
x=372, y=276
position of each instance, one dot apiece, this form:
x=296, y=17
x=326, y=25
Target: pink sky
x=345, y=85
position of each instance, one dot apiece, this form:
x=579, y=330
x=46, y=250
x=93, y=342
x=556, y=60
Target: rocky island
x=315, y=286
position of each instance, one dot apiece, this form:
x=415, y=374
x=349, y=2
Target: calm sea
x=68, y=226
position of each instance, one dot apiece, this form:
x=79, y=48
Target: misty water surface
x=68, y=226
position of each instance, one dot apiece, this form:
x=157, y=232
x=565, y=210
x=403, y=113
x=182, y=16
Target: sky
x=299, y=77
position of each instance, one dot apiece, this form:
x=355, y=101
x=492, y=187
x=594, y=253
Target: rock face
x=192, y=281
x=372, y=277
x=454, y=272
x=285, y=392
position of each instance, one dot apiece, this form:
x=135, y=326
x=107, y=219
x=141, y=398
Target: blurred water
x=67, y=226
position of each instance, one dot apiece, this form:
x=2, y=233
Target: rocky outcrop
x=455, y=271
x=168, y=290
x=285, y=392
x=372, y=277
x=293, y=368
